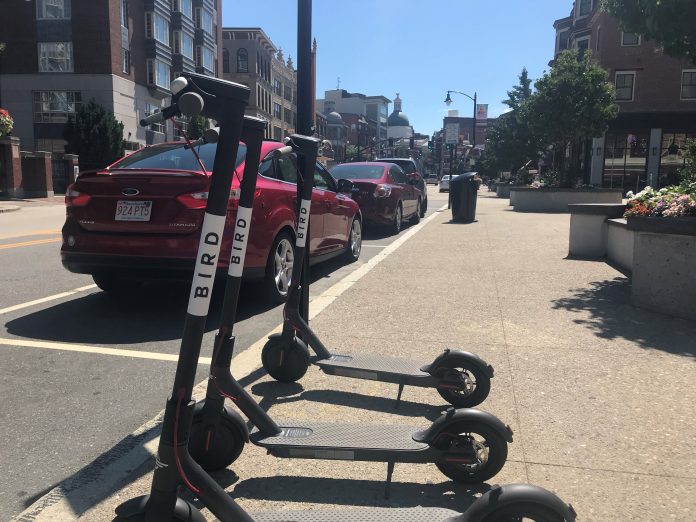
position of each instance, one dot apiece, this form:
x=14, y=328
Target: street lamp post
x=448, y=102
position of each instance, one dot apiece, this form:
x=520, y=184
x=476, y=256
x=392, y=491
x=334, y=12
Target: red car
x=140, y=218
x=385, y=193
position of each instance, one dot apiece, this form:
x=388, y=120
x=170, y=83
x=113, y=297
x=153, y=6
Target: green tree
x=511, y=141
x=95, y=135
x=688, y=173
x=197, y=125
x=572, y=102
x=669, y=23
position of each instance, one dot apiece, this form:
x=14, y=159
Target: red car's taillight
x=73, y=198
x=194, y=200
x=197, y=200
x=382, y=191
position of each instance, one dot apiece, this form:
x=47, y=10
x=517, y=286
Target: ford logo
x=130, y=192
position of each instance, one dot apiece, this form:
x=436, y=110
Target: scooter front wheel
x=215, y=447
x=464, y=384
x=285, y=361
x=474, y=453
x=524, y=511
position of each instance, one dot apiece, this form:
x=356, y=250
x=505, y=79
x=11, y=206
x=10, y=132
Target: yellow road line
x=33, y=233
x=45, y=299
x=30, y=243
x=68, y=347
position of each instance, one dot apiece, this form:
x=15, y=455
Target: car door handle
x=327, y=202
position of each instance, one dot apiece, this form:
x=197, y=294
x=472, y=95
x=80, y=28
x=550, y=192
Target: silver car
x=444, y=183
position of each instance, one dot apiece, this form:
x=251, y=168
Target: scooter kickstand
x=390, y=472
x=398, y=396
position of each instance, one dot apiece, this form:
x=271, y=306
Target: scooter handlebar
x=164, y=114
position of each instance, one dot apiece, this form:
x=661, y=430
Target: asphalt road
x=62, y=409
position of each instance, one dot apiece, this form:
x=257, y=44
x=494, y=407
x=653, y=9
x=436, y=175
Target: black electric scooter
x=224, y=101
x=467, y=445
x=461, y=378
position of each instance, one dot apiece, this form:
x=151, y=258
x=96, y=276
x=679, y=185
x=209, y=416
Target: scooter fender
x=474, y=359
x=452, y=416
x=502, y=496
x=231, y=414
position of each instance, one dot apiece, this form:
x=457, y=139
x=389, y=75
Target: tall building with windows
x=122, y=53
x=656, y=95
x=249, y=57
x=375, y=108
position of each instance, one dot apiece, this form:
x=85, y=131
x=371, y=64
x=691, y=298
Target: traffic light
x=431, y=145
x=412, y=143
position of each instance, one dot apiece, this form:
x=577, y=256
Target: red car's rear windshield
x=405, y=164
x=174, y=156
x=348, y=171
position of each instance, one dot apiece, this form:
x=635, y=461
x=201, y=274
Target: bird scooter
x=461, y=378
x=224, y=101
x=467, y=445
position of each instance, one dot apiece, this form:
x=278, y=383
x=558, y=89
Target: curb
x=8, y=208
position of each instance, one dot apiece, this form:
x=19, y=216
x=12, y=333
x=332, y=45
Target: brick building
x=656, y=95
x=123, y=53
x=252, y=59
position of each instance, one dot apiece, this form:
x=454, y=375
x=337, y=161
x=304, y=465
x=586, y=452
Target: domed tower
x=398, y=125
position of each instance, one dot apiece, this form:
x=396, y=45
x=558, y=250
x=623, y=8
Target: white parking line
x=374, y=246
x=101, y=480
x=69, y=347
x=46, y=299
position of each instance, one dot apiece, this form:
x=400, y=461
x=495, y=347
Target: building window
x=158, y=73
x=183, y=6
x=125, y=60
x=204, y=20
x=277, y=111
x=688, y=85
x=161, y=29
x=278, y=87
x=52, y=9
x=585, y=7
x=187, y=45
x=242, y=61
x=582, y=44
x=288, y=93
x=55, y=106
x=150, y=110
x=563, y=40
x=277, y=133
x=207, y=58
x=55, y=57
x=124, y=13
x=630, y=39
x=225, y=60
x=625, y=82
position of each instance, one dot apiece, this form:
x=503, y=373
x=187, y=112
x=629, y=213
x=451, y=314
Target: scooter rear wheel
x=463, y=394
x=215, y=447
x=475, y=452
x=524, y=511
x=285, y=361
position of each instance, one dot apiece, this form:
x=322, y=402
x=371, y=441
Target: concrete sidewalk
x=599, y=394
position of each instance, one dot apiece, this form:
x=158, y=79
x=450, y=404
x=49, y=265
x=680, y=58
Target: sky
x=418, y=48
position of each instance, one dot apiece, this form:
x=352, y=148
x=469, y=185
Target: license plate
x=133, y=210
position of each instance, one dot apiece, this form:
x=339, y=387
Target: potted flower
x=6, y=122
x=670, y=209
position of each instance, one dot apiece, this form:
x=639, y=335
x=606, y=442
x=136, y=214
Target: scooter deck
x=373, y=367
x=416, y=514
x=338, y=441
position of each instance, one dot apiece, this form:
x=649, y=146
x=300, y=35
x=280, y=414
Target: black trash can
x=463, y=189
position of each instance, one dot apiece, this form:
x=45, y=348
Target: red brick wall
x=18, y=30
x=92, y=36
x=658, y=76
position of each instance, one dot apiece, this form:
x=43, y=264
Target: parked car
x=410, y=167
x=140, y=218
x=385, y=193
x=444, y=183
x=431, y=179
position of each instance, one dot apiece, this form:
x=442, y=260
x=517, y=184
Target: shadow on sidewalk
x=279, y=393
x=348, y=492
x=613, y=317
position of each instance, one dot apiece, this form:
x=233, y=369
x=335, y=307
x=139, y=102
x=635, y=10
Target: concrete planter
x=664, y=265
x=529, y=199
x=503, y=191
x=588, y=228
